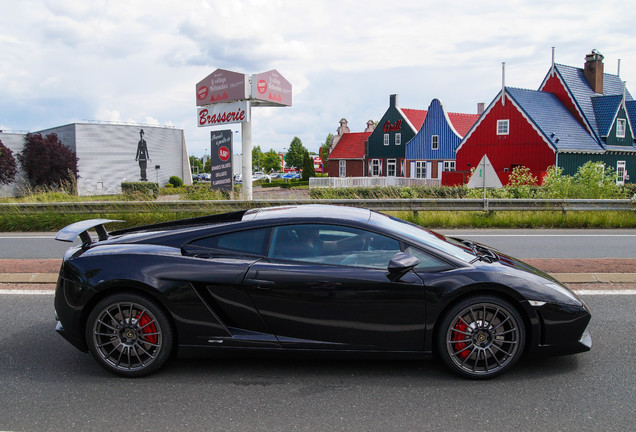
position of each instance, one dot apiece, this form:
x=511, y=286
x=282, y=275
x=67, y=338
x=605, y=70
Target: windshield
x=422, y=235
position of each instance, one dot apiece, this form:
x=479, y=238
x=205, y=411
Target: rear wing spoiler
x=70, y=232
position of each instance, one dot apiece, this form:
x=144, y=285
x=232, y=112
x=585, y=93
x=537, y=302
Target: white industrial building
x=108, y=155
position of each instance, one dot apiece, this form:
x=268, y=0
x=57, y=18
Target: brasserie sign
x=221, y=114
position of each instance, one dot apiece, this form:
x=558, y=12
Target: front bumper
x=564, y=329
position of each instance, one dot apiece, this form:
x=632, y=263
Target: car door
x=326, y=286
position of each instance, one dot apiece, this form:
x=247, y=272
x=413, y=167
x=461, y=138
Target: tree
x=308, y=167
x=208, y=166
x=271, y=161
x=47, y=162
x=195, y=162
x=7, y=165
x=257, y=158
x=294, y=156
x=323, y=152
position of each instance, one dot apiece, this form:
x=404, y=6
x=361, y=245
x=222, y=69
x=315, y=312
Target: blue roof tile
x=631, y=112
x=582, y=92
x=605, y=108
x=558, y=125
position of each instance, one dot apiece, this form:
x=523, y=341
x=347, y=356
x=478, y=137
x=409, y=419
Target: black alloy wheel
x=481, y=337
x=129, y=335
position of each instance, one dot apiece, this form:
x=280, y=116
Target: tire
x=129, y=335
x=481, y=337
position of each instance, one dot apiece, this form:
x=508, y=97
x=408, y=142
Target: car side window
x=332, y=244
x=428, y=262
x=253, y=241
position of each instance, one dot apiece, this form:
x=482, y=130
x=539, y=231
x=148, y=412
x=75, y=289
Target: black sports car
x=306, y=278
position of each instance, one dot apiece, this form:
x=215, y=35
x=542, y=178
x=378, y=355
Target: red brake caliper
x=143, y=319
x=462, y=327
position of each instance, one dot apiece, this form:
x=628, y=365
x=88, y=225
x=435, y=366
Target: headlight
x=564, y=291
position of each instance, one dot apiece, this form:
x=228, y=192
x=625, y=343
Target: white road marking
x=26, y=292
x=579, y=292
x=606, y=292
x=26, y=237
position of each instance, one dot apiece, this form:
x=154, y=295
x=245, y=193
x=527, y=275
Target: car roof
x=319, y=211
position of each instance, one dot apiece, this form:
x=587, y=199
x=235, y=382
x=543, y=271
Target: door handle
x=259, y=283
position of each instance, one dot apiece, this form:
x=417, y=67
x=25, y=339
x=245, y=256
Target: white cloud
x=67, y=60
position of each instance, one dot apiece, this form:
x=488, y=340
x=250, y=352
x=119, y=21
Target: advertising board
x=222, y=86
x=271, y=89
x=221, y=159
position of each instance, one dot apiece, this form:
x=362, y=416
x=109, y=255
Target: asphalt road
x=49, y=385
x=532, y=243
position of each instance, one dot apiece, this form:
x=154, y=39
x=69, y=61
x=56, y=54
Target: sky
x=66, y=61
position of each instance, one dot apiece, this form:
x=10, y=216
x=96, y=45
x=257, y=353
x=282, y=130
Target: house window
x=420, y=169
x=342, y=165
x=390, y=167
x=620, y=128
x=386, y=139
x=449, y=165
x=375, y=167
x=398, y=138
x=620, y=172
x=503, y=127
x=435, y=142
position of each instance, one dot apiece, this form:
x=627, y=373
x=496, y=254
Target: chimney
x=480, y=108
x=370, y=126
x=343, y=129
x=393, y=100
x=593, y=71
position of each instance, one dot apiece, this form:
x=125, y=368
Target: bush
x=389, y=192
x=175, y=181
x=294, y=183
x=203, y=192
x=140, y=190
x=47, y=162
x=7, y=165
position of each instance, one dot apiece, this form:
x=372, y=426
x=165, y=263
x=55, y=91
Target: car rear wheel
x=481, y=337
x=129, y=335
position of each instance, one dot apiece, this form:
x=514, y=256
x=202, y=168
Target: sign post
x=221, y=160
x=226, y=97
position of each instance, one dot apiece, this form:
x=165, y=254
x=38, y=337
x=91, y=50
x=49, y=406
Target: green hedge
x=294, y=183
x=140, y=189
x=384, y=192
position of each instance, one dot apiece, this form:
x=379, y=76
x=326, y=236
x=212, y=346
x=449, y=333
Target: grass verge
x=53, y=221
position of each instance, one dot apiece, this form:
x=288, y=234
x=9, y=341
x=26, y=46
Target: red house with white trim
x=348, y=151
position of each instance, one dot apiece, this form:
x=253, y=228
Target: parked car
x=260, y=176
x=310, y=278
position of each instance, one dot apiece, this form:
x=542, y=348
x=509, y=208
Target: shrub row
x=140, y=190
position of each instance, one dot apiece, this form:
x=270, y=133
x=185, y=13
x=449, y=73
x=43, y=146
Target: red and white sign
x=318, y=160
x=224, y=153
x=271, y=89
x=221, y=114
x=261, y=86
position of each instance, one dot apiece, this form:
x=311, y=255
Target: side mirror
x=401, y=264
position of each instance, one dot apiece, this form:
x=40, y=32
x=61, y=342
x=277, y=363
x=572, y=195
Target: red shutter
x=380, y=172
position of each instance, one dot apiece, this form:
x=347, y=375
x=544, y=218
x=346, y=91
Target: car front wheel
x=129, y=335
x=481, y=337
